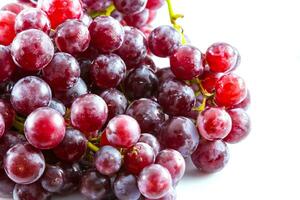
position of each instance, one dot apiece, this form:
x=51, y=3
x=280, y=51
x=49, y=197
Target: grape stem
x=173, y=18
x=106, y=12
x=93, y=147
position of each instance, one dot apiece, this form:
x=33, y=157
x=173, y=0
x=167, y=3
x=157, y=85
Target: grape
x=130, y=6
x=154, y=181
x=6, y=63
x=13, y=7
x=155, y=4
x=53, y=179
x=137, y=20
x=30, y=93
x=44, y=128
x=123, y=131
x=164, y=74
x=108, y=71
x=107, y=34
x=186, y=63
x=151, y=141
x=245, y=103
x=117, y=15
x=95, y=186
x=164, y=41
x=108, y=160
x=72, y=37
x=138, y=157
x=32, y=50
x=2, y=125
x=86, y=19
x=134, y=47
x=175, y=97
x=96, y=6
x=240, y=125
x=32, y=18
x=30, y=192
x=171, y=195
x=58, y=106
x=211, y=156
x=209, y=80
x=125, y=187
x=173, y=161
x=221, y=57
x=72, y=175
x=73, y=147
x=116, y=102
x=7, y=27
x=24, y=164
x=89, y=113
x=147, y=61
x=59, y=11
x=6, y=185
x=62, y=72
x=179, y=133
x=214, y=123
x=71, y=94
x=148, y=113
x=141, y=82
x=230, y=90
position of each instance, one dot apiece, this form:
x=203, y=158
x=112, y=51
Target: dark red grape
x=117, y=15
x=30, y=192
x=89, y=113
x=130, y=6
x=137, y=20
x=108, y=160
x=95, y=186
x=221, y=57
x=72, y=37
x=59, y=11
x=147, y=61
x=164, y=74
x=107, y=34
x=8, y=113
x=240, y=125
x=7, y=27
x=30, y=93
x=108, y=71
x=134, y=47
x=45, y=128
x=32, y=50
x=230, y=90
x=6, y=185
x=141, y=82
x=116, y=102
x=14, y=7
x=214, y=123
x=154, y=181
x=211, y=156
x=173, y=161
x=186, y=62
x=148, y=113
x=53, y=179
x=164, y=41
x=179, y=133
x=72, y=176
x=125, y=187
x=2, y=125
x=7, y=66
x=24, y=164
x=175, y=97
x=96, y=6
x=32, y=18
x=155, y=4
x=58, y=106
x=62, y=72
x=138, y=157
x=73, y=147
x=123, y=131
x=151, y=141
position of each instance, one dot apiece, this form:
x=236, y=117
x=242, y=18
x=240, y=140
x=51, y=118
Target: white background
x=267, y=34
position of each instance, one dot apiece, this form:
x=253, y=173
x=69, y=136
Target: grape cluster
x=83, y=106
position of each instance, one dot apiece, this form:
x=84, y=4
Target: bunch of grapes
x=84, y=107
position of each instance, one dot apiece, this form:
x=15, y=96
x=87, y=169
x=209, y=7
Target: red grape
x=164, y=41
x=96, y=6
x=123, y=131
x=107, y=34
x=72, y=37
x=32, y=18
x=6, y=185
x=7, y=65
x=154, y=181
x=32, y=50
x=30, y=93
x=53, y=179
x=7, y=27
x=155, y=4
x=2, y=125
x=72, y=175
x=125, y=187
x=59, y=11
x=164, y=74
x=62, y=72
x=230, y=90
x=24, y=164
x=209, y=80
x=171, y=195
x=137, y=20
x=151, y=141
x=211, y=156
x=89, y=113
x=45, y=128
x=14, y=7
x=58, y=106
x=130, y=6
x=245, y=103
x=30, y=192
x=86, y=19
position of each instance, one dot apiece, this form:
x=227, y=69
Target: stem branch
x=93, y=147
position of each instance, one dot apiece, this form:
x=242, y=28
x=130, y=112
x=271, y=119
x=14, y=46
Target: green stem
x=106, y=12
x=93, y=147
